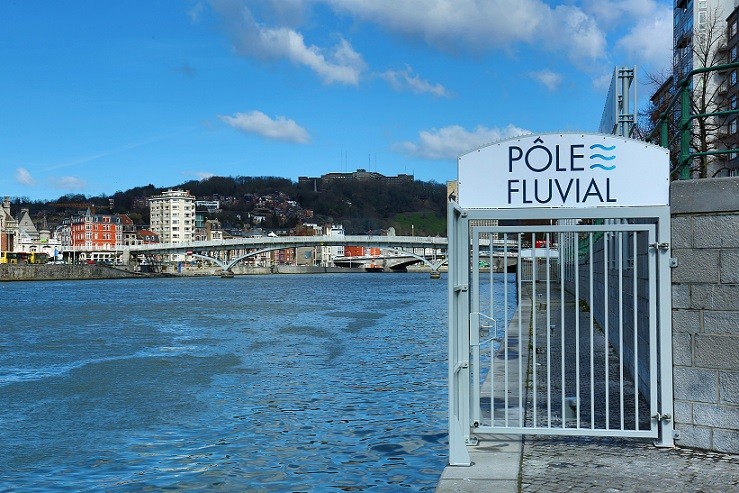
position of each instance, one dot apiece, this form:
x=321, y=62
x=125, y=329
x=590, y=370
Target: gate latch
x=660, y=417
x=660, y=246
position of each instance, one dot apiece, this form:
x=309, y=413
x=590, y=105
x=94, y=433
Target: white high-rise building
x=173, y=216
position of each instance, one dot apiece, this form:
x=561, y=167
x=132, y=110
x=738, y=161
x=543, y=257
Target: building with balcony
x=172, y=216
x=729, y=163
x=704, y=36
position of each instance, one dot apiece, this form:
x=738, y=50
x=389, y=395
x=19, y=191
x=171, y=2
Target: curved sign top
x=564, y=170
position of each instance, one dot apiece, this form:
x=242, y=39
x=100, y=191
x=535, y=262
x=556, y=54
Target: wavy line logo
x=598, y=156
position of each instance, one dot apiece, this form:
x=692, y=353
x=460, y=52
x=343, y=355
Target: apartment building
x=730, y=132
x=703, y=38
x=95, y=231
x=172, y=216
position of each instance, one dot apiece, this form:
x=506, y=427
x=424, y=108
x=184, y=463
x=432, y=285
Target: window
x=732, y=127
x=733, y=101
x=732, y=155
x=732, y=77
x=733, y=53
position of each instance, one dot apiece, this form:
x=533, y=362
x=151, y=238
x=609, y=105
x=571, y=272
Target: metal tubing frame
x=461, y=427
x=458, y=320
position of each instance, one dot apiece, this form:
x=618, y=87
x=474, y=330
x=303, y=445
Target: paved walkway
x=537, y=463
x=577, y=464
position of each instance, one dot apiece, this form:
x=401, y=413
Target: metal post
x=684, y=133
x=459, y=377
x=664, y=139
x=666, y=398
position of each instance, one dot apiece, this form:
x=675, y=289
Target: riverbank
x=68, y=272
x=64, y=272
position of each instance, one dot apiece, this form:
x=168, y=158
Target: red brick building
x=96, y=231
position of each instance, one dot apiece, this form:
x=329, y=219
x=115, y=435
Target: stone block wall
x=705, y=312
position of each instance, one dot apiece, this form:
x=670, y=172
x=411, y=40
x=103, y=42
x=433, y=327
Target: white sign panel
x=564, y=170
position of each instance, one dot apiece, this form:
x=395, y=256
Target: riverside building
x=705, y=35
x=173, y=216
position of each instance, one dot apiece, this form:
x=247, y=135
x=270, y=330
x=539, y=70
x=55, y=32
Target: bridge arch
x=227, y=266
x=433, y=265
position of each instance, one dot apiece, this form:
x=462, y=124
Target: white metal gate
x=560, y=325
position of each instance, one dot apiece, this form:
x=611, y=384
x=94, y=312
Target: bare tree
x=706, y=46
x=707, y=91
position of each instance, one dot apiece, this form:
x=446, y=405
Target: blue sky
x=97, y=97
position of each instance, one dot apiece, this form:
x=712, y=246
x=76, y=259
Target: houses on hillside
x=175, y=217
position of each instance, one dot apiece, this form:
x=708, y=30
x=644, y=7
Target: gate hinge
x=460, y=287
x=660, y=246
x=660, y=417
x=461, y=365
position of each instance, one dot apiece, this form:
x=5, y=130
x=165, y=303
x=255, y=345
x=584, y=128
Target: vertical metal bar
x=494, y=335
x=521, y=402
x=577, y=340
x=653, y=353
x=534, y=266
x=474, y=294
x=606, y=317
x=548, y=329
x=505, y=324
x=683, y=163
x=634, y=307
x=562, y=338
x=666, y=426
x=621, y=324
x=592, y=333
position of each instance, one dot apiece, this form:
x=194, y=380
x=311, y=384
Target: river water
x=257, y=383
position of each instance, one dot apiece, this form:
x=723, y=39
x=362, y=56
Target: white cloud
x=550, y=80
x=571, y=29
x=481, y=25
x=256, y=122
x=340, y=64
x=650, y=40
x=23, y=176
x=70, y=183
x=200, y=175
x=450, y=142
x=195, y=12
x=610, y=13
x=405, y=79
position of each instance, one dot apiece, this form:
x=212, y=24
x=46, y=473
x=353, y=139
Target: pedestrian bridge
x=227, y=253
x=431, y=251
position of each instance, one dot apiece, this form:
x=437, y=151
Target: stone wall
x=705, y=312
x=50, y=272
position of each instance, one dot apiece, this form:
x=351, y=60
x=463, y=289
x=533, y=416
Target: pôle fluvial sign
x=564, y=170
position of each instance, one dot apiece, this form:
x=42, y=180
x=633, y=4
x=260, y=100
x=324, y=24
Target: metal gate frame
x=464, y=314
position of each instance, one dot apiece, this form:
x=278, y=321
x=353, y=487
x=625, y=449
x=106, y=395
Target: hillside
x=361, y=206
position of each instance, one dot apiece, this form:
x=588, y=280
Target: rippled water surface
x=257, y=383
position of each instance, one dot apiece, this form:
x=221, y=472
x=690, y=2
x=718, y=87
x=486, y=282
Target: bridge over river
x=402, y=250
